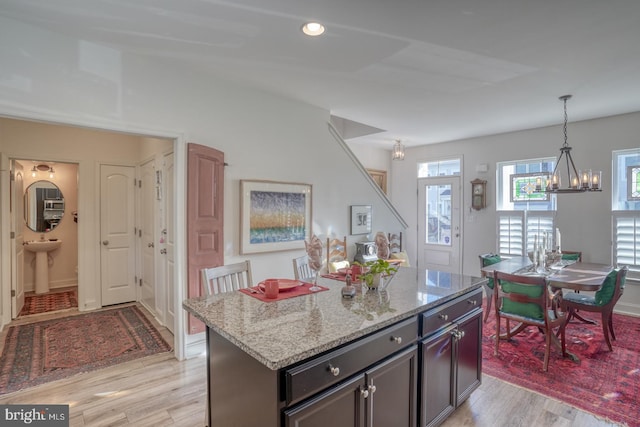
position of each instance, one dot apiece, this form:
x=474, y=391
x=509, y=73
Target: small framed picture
x=360, y=219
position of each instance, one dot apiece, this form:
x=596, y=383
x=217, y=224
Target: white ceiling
x=424, y=71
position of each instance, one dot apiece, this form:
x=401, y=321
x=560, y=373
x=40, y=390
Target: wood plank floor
x=161, y=391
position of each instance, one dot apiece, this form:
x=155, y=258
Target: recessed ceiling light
x=313, y=28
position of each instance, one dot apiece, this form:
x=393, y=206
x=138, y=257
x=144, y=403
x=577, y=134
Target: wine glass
x=316, y=270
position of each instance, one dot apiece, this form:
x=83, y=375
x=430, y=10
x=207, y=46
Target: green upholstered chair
x=485, y=260
x=602, y=302
x=572, y=256
x=528, y=301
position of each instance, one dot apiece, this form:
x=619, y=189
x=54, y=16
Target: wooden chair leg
x=606, y=317
x=613, y=334
x=495, y=350
x=489, y=292
x=547, y=350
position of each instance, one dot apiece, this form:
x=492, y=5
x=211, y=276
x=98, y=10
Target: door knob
x=105, y=242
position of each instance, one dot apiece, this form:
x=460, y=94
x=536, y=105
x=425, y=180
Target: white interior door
x=17, y=249
x=168, y=235
x=439, y=224
x=117, y=222
x=147, y=197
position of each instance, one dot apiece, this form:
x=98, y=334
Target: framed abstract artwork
x=360, y=219
x=275, y=216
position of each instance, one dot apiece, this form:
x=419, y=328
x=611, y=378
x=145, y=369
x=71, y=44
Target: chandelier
x=576, y=181
x=398, y=151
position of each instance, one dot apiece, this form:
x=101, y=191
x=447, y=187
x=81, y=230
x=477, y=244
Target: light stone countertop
x=284, y=332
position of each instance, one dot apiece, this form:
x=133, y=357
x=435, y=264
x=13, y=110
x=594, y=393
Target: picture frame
x=360, y=219
x=275, y=216
x=380, y=178
x=523, y=187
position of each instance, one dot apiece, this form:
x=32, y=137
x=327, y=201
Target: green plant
x=379, y=267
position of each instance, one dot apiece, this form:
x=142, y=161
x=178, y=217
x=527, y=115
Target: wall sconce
x=398, y=151
x=51, y=172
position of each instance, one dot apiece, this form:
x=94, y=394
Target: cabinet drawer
x=442, y=316
x=321, y=372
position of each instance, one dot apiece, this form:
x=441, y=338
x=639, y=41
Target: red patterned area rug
x=50, y=350
x=53, y=301
x=604, y=383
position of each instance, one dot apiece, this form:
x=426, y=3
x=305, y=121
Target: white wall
x=584, y=219
x=51, y=77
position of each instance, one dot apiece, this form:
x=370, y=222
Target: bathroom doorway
x=44, y=218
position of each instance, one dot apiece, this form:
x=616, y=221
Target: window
x=625, y=207
x=450, y=167
x=521, y=218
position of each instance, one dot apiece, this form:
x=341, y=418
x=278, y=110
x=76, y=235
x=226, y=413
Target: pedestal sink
x=41, y=248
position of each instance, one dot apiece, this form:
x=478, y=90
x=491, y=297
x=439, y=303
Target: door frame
x=87, y=239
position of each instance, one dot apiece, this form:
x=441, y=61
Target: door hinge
x=140, y=233
x=13, y=293
x=12, y=176
x=12, y=235
x=141, y=282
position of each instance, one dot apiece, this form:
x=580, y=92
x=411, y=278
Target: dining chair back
x=528, y=301
x=301, y=269
x=226, y=278
x=336, y=254
x=571, y=256
x=485, y=260
x=395, y=242
x=602, y=302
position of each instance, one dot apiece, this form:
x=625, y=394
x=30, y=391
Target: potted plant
x=376, y=271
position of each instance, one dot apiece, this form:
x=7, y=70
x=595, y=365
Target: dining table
x=569, y=275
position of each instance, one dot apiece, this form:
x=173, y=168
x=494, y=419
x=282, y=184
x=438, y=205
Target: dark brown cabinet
x=382, y=396
x=451, y=358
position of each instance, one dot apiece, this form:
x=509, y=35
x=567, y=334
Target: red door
x=205, y=202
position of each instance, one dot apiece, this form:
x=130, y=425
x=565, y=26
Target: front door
x=439, y=224
x=17, y=248
x=168, y=235
x=117, y=236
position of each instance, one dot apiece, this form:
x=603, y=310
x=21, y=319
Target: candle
x=574, y=182
x=585, y=178
x=595, y=180
x=555, y=181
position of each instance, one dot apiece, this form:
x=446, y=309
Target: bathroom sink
x=42, y=245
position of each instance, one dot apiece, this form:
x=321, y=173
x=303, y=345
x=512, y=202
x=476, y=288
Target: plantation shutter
x=511, y=233
x=538, y=223
x=626, y=232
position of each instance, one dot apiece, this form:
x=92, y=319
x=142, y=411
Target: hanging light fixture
x=577, y=182
x=398, y=151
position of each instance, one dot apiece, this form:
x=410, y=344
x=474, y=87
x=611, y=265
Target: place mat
x=303, y=289
x=335, y=276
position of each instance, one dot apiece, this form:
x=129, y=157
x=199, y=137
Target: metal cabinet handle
x=163, y=251
x=443, y=316
x=397, y=340
x=372, y=389
x=472, y=302
x=105, y=242
x=150, y=245
x=335, y=371
x=364, y=393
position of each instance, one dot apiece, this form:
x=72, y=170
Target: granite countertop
x=287, y=331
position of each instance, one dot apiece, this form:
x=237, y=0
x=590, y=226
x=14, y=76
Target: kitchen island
x=321, y=359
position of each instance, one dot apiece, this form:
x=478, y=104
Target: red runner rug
x=40, y=352
x=54, y=301
x=604, y=383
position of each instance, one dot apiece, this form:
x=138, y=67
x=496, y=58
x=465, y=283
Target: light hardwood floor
x=161, y=391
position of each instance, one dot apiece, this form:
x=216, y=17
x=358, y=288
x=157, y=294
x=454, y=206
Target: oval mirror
x=43, y=206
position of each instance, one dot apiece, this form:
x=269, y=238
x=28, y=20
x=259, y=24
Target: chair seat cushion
x=570, y=257
x=401, y=256
x=579, y=298
x=489, y=260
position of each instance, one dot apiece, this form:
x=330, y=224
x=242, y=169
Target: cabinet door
x=469, y=355
x=342, y=405
x=393, y=403
x=438, y=396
